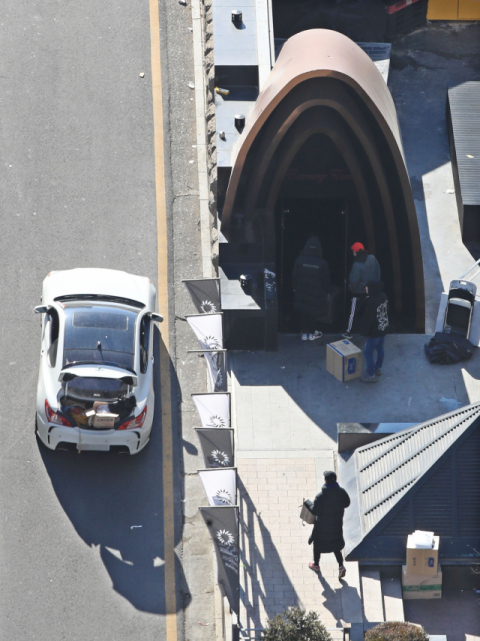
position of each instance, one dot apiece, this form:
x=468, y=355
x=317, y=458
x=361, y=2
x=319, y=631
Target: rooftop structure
x=427, y=478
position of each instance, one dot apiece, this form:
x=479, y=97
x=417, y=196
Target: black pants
x=316, y=556
x=307, y=323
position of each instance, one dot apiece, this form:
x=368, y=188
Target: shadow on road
x=115, y=502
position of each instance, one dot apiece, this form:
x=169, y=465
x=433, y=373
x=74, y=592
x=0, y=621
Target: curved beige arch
x=324, y=54
x=314, y=54
x=340, y=102
x=324, y=125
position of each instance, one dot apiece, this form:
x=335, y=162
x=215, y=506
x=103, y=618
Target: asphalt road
x=77, y=189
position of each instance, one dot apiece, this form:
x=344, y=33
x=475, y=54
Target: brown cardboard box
x=344, y=360
x=422, y=561
x=419, y=586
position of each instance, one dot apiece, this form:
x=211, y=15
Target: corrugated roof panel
x=372, y=518
x=468, y=486
x=464, y=101
x=387, y=469
x=399, y=524
x=433, y=511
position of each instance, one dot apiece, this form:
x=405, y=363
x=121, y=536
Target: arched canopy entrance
x=324, y=130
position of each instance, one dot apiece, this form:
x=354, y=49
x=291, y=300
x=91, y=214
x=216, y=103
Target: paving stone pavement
x=274, y=546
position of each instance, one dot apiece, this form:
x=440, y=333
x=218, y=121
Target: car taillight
x=53, y=417
x=135, y=422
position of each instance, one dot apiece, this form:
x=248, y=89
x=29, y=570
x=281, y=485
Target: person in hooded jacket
x=374, y=328
x=327, y=534
x=311, y=285
x=365, y=267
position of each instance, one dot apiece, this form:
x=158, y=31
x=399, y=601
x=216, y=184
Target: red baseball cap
x=356, y=247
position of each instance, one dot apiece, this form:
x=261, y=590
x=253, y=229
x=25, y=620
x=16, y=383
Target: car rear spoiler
x=90, y=371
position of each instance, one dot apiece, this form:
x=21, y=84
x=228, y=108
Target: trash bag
x=445, y=349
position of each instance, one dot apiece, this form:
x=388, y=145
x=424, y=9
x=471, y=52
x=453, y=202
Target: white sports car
x=95, y=386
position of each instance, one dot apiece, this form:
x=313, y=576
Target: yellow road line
x=162, y=292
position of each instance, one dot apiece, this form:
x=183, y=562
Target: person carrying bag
x=327, y=535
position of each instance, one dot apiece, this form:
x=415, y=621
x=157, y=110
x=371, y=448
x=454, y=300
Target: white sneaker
x=314, y=336
x=304, y=337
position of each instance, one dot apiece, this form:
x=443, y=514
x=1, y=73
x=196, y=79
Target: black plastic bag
x=445, y=349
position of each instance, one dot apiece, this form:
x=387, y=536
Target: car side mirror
x=40, y=309
x=156, y=317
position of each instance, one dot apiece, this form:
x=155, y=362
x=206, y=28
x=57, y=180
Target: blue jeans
x=371, y=345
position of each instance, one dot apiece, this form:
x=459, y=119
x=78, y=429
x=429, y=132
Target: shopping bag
x=306, y=515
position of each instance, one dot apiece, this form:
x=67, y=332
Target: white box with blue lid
x=344, y=360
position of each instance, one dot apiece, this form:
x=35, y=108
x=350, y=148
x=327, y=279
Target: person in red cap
x=365, y=268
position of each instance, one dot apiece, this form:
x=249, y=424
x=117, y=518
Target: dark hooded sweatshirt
x=375, y=312
x=311, y=280
x=365, y=267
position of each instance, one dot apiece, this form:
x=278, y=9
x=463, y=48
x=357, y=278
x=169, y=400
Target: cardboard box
x=344, y=360
x=422, y=561
x=419, y=586
x=103, y=418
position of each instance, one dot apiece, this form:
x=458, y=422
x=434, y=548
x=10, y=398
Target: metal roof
x=464, y=101
x=387, y=469
x=232, y=45
x=238, y=102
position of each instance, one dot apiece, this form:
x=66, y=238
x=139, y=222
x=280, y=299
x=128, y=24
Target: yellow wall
x=453, y=10
x=443, y=9
x=469, y=10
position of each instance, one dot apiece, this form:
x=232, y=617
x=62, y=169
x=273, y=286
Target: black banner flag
x=222, y=523
x=217, y=446
x=205, y=294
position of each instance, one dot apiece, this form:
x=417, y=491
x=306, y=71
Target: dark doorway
x=298, y=219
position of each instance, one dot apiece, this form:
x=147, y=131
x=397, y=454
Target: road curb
x=206, y=181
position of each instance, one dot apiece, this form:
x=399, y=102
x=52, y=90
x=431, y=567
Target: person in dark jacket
x=311, y=284
x=327, y=534
x=365, y=268
x=374, y=328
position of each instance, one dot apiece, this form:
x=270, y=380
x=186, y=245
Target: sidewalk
x=275, y=554
x=287, y=401
x=285, y=408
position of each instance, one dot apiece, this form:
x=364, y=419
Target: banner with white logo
x=220, y=486
x=217, y=446
x=205, y=294
x=208, y=329
x=214, y=409
x=222, y=523
x=216, y=360
x=217, y=369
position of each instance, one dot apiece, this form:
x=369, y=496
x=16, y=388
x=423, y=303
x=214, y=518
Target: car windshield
x=93, y=388
x=99, y=334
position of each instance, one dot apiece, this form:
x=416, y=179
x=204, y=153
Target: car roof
x=98, y=281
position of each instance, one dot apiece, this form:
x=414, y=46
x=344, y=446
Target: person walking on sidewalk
x=374, y=328
x=327, y=534
x=365, y=268
x=311, y=285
